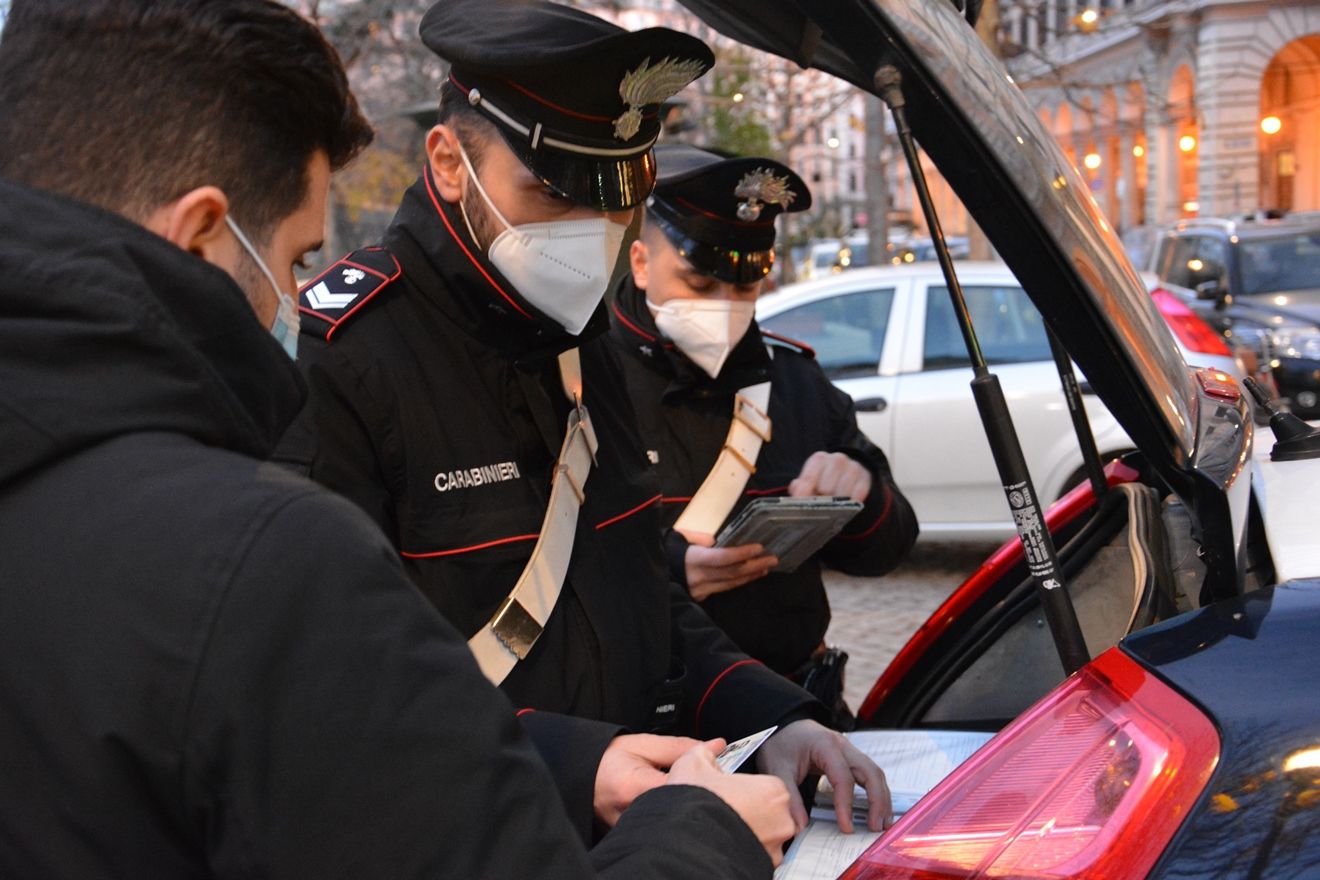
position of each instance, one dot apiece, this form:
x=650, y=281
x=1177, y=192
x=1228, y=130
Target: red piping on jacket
x=434, y=553
x=630, y=325
x=676, y=499
x=884, y=515
x=790, y=340
x=426, y=176
x=718, y=679
x=522, y=712
x=645, y=504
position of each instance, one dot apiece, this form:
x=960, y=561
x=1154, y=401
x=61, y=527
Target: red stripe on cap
x=555, y=107
x=426, y=176
x=691, y=207
x=719, y=678
x=546, y=102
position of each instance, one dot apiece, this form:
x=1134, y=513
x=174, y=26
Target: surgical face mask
x=705, y=330
x=562, y=267
x=285, y=326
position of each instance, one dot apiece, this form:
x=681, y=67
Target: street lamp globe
x=1271, y=124
x=1187, y=143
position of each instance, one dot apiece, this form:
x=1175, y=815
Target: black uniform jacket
x=210, y=667
x=436, y=405
x=685, y=416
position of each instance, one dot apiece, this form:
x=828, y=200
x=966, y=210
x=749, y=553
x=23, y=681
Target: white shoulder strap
x=720, y=491
x=516, y=625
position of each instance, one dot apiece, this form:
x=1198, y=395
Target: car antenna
x=1037, y=544
x=1294, y=439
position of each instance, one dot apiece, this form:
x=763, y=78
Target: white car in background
x=888, y=337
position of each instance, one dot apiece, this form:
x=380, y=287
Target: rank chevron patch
x=342, y=290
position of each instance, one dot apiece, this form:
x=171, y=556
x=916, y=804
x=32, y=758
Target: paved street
x=873, y=617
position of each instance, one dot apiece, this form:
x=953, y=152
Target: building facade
x=1177, y=108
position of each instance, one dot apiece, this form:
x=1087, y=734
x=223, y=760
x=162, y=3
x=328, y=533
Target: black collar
x=633, y=327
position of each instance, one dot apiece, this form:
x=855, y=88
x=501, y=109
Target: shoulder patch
x=785, y=342
x=339, y=292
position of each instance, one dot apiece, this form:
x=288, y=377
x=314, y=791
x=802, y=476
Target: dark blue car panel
x=1250, y=664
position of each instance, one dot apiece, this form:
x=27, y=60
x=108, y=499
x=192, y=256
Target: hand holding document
x=914, y=762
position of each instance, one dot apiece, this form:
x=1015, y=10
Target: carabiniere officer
x=684, y=327
x=463, y=394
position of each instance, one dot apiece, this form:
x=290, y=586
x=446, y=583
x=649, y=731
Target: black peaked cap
x=720, y=213
x=576, y=97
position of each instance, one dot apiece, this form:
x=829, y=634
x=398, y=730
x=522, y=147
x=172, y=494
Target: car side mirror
x=1214, y=292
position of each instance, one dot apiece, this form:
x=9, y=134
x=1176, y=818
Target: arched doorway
x=1290, y=127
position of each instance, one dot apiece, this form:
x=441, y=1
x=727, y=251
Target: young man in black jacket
x=699, y=368
x=210, y=667
x=463, y=394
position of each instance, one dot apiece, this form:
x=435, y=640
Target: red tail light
x=1195, y=334
x=1091, y=782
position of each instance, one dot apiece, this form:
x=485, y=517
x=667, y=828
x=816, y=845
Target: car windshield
x=1280, y=262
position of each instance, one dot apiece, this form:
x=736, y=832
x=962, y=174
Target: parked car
x=887, y=336
x=1257, y=282
x=820, y=258
x=1190, y=746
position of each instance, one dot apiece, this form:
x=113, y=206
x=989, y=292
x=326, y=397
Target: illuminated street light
x=738, y=97
x=1091, y=161
x=1087, y=20
x=1187, y=143
x=832, y=143
x=1271, y=125
x=1138, y=151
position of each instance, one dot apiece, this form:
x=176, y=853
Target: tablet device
x=791, y=529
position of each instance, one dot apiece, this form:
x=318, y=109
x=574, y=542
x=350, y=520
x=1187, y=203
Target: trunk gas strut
x=1037, y=544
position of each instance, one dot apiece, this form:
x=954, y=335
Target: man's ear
x=446, y=163
x=638, y=257
x=195, y=222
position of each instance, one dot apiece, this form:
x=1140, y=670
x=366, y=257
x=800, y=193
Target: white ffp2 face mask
x=705, y=330
x=285, y=325
x=561, y=267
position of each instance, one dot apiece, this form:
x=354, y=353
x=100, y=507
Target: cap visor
x=603, y=184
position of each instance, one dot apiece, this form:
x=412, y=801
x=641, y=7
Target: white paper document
x=914, y=762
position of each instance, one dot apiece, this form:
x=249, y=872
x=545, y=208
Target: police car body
x=1190, y=745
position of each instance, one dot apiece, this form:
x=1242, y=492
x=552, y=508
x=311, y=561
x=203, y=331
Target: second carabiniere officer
x=693, y=353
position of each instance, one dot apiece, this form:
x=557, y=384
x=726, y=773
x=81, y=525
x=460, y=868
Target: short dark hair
x=473, y=129
x=129, y=104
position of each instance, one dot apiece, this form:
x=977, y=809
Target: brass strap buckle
x=516, y=629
